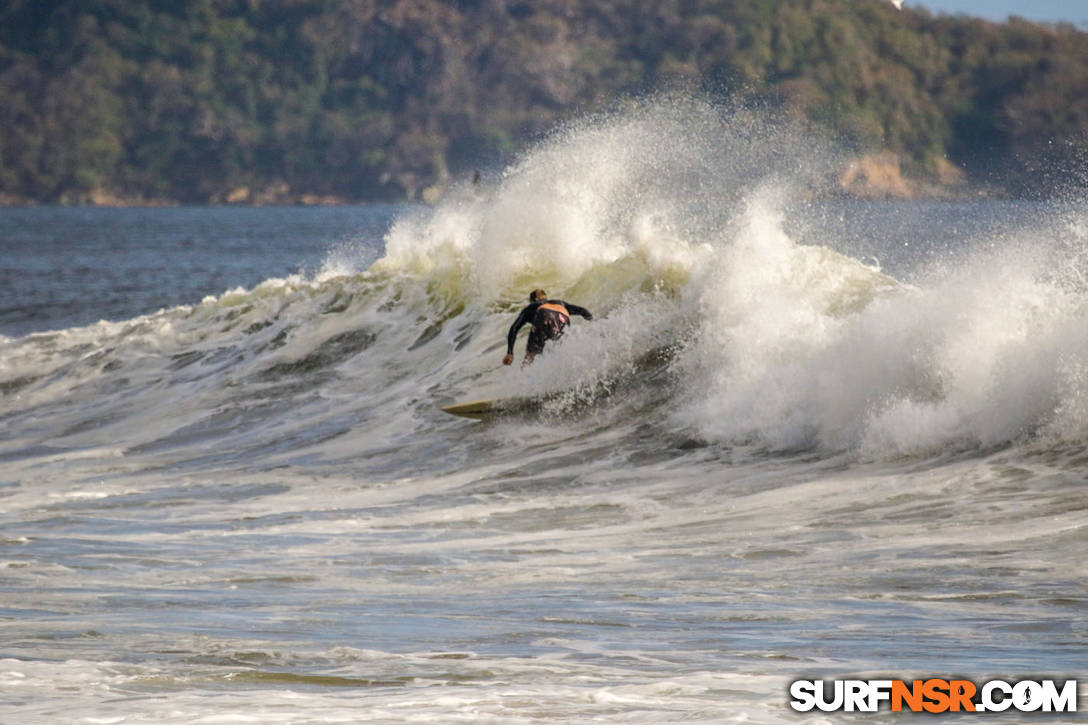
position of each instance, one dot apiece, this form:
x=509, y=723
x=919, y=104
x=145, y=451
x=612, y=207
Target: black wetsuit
x=548, y=318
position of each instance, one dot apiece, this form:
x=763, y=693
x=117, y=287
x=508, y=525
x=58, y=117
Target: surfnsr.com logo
x=933, y=695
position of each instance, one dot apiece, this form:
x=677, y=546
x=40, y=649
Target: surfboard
x=477, y=409
x=487, y=409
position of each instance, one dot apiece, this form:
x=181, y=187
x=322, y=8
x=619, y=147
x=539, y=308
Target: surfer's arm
x=580, y=311
x=512, y=336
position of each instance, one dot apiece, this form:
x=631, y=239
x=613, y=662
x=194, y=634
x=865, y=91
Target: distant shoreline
x=872, y=177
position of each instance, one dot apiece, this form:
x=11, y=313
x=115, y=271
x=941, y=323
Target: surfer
x=548, y=318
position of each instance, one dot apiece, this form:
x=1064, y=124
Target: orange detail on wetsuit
x=548, y=323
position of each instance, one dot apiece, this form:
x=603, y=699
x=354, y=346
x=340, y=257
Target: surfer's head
x=538, y=295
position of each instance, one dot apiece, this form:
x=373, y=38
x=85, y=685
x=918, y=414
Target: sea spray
x=973, y=355
x=653, y=180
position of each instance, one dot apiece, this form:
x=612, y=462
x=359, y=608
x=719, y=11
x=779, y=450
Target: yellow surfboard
x=477, y=409
x=487, y=409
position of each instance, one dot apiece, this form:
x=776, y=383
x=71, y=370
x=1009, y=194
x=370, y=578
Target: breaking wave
x=717, y=321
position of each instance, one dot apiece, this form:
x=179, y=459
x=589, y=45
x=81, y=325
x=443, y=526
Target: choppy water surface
x=800, y=440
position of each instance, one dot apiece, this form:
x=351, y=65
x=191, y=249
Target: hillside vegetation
x=263, y=101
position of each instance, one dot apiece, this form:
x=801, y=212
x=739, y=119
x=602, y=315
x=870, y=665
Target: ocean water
x=801, y=439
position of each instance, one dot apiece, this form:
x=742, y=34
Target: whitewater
x=802, y=438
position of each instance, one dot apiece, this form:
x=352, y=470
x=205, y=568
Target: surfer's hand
x=508, y=359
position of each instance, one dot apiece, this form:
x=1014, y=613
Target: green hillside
x=315, y=100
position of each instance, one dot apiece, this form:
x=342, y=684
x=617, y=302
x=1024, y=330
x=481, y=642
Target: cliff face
x=876, y=176
x=880, y=176
x=315, y=101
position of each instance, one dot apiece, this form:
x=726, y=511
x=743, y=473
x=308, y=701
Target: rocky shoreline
x=876, y=176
